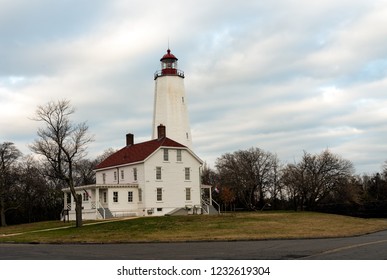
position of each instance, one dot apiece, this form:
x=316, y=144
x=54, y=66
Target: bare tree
x=249, y=173
x=8, y=157
x=208, y=176
x=62, y=144
x=275, y=190
x=39, y=199
x=84, y=169
x=315, y=177
x=108, y=152
x=84, y=172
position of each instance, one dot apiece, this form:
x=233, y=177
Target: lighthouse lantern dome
x=169, y=66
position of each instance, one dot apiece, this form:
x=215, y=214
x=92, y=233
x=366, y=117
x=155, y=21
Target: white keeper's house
x=156, y=177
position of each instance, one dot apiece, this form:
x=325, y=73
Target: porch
x=208, y=204
x=95, y=202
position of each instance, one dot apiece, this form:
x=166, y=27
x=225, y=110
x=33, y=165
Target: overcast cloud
x=284, y=76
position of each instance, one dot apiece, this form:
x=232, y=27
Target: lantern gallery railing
x=169, y=71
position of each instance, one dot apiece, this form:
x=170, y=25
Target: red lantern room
x=169, y=66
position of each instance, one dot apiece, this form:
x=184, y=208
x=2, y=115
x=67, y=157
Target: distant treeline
x=29, y=189
x=256, y=180
x=249, y=180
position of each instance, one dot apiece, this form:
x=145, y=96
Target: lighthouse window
x=182, y=99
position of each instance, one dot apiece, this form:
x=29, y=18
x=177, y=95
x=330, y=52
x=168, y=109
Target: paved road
x=366, y=247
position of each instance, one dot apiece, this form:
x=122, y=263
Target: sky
x=284, y=76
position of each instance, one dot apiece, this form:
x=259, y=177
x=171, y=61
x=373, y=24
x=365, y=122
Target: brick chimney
x=129, y=139
x=161, y=131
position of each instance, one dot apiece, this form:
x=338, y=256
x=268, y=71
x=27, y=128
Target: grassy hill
x=235, y=226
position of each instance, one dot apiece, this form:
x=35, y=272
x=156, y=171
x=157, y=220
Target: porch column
x=96, y=197
x=65, y=200
x=210, y=191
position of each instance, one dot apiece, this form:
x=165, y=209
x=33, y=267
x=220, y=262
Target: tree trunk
x=78, y=210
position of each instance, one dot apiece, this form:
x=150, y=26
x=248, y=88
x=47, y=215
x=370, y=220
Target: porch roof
x=101, y=186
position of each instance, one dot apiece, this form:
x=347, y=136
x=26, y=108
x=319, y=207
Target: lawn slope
x=235, y=226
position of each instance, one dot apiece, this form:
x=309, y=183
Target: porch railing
x=93, y=205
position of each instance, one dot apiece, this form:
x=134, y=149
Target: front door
x=103, y=199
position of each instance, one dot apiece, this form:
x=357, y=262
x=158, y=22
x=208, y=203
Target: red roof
x=168, y=55
x=137, y=152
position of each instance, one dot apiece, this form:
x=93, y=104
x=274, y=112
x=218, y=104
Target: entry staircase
x=105, y=213
x=208, y=207
x=205, y=208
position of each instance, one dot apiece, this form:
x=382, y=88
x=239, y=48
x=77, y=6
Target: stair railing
x=206, y=206
x=217, y=204
x=103, y=209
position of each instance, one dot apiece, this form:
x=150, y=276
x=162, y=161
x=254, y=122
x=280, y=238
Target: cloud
x=285, y=76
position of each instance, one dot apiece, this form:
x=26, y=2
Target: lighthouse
x=170, y=104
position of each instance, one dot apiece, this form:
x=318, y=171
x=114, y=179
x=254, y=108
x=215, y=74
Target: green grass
x=236, y=226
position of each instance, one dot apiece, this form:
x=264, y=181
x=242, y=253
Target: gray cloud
x=285, y=76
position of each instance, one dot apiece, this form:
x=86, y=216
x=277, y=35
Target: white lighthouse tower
x=170, y=105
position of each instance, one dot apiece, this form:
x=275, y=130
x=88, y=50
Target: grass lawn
x=235, y=226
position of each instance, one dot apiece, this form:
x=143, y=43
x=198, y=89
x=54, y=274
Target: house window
x=187, y=174
x=104, y=197
x=187, y=193
x=130, y=196
x=140, y=195
x=159, y=194
x=85, y=196
x=115, y=196
x=158, y=173
x=115, y=175
x=166, y=155
x=159, y=209
x=122, y=174
x=178, y=155
x=135, y=174
x=103, y=178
